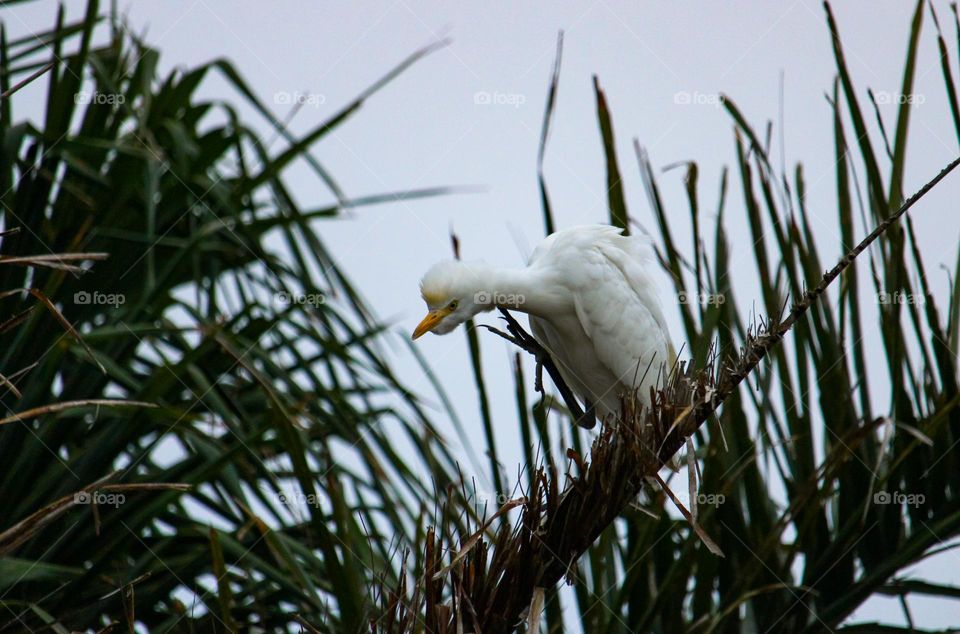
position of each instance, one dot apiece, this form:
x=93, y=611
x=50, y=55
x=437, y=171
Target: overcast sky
x=470, y=114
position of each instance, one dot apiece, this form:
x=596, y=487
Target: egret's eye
x=453, y=305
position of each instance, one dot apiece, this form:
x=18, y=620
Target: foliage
x=265, y=480
x=200, y=431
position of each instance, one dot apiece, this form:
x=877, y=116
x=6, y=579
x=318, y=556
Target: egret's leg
x=521, y=338
x=588, y=418
x=538, y=375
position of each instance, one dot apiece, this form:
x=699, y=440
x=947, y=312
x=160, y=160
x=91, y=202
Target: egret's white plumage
x=592, y=305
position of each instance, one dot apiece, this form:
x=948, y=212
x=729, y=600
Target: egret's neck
x=515, y=289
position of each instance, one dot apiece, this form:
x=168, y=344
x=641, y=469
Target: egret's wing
x=638, y=250
x=588, y=378
x=617, y=306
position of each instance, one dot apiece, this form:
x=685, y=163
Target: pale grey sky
x=661, y=65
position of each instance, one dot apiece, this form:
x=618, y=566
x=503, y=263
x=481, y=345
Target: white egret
x=592, y=305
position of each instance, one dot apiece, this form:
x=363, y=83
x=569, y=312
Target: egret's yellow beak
x=430, y=322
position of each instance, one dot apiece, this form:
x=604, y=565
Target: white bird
x=592, y=305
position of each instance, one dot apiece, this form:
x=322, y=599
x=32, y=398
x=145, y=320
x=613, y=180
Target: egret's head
x=450, y=291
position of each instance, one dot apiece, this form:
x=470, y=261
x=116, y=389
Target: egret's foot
x=588, y=418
